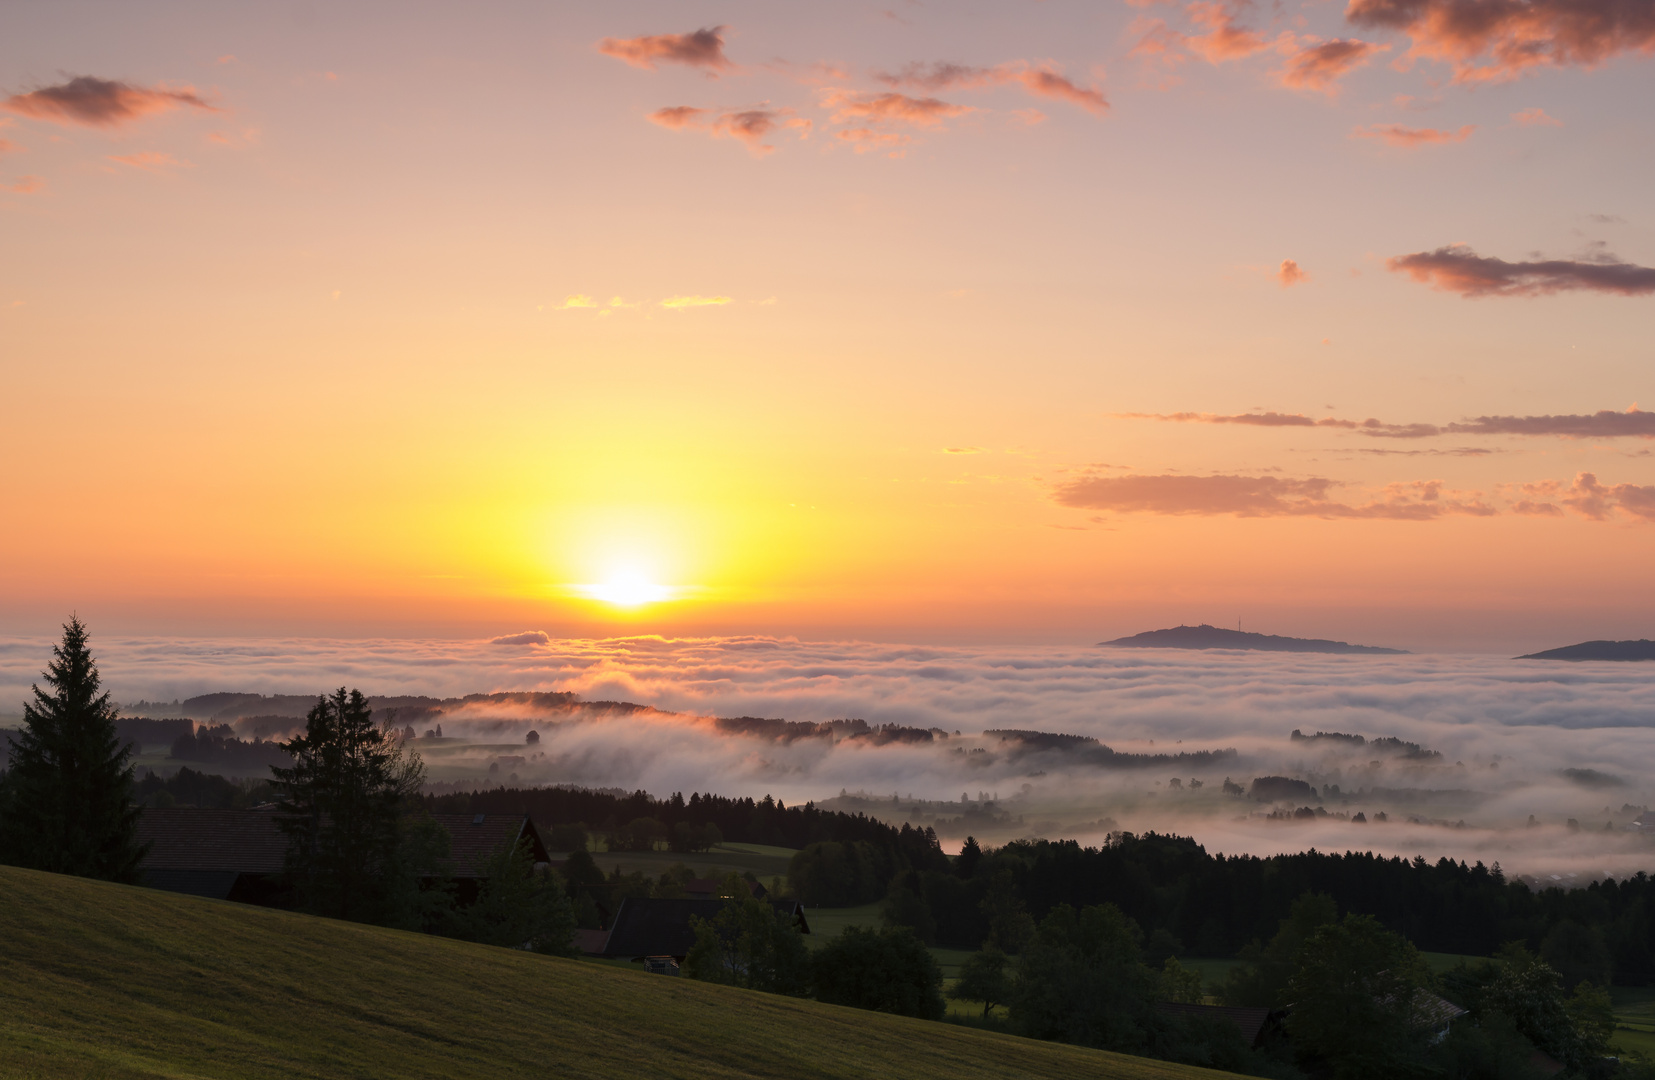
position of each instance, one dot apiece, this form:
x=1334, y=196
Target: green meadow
x=117, y=982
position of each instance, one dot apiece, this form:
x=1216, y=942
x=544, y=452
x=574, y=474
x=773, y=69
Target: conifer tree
x=342, y=803
x=66, y=805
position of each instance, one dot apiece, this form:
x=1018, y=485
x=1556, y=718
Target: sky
x=1015, y=322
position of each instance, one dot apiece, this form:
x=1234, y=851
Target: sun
x=628, y=589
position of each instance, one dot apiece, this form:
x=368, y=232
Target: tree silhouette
x=342, y=803
x=66, y=804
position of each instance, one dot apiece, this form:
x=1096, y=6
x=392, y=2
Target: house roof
x=224, y=841
x=477, y=836
x=1250, y=1020
x=249, y=841
x=647, y=927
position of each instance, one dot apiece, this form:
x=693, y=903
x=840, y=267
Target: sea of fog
x=1541, y=766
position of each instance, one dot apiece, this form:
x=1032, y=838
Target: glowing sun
x=627, y=589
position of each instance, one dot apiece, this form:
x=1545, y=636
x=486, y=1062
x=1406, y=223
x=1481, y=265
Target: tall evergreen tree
x=66, y=805
x=342, y=803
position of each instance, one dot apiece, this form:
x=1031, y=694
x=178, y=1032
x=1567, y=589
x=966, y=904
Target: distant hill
x=1641, y=649
x=1213, y=637
x=118, y=981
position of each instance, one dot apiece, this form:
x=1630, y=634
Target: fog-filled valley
x=1541, y=766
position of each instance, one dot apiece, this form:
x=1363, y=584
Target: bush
x=887, y=970
x=519, y=907
x=750, y=944
x=1082, y=980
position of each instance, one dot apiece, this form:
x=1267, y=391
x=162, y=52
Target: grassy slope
x=119, y=982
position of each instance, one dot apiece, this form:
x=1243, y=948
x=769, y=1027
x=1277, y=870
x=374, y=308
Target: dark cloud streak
x=1458, y=269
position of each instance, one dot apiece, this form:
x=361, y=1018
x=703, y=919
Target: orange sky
x=413, y=320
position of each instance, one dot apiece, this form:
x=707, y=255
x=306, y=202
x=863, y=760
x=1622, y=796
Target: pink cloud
x=151, y=161
x=1044, y=80
x=26, y=185
x=1409, y=138
x=1603, y=424
x=702, y=49
x=101, y=102
x=1500, y=39
x=9, y=147
x=1259, y=496
x=749, y=126
x=867, y=140
x=1224, y=39
x=1535, y=117
x=1458, y=269
x=1289, y=274
x=1589, y=498
x=1320, y=66
x=926, y=112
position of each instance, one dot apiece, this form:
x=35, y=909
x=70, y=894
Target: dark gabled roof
x=249, y=841
x=1250, y=1020
x=220, y=841
x=477, y=836
x=645, y=927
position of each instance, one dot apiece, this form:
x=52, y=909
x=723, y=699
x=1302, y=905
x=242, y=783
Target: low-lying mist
x=1541, y=766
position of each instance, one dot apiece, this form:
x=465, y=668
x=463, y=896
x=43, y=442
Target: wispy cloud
x=702, y=49
x=1289, y=274
x=1535, y=117
x=749, y=126
x=1500, y=39
x=151, y=161
x=1409, y=138
x=679, y=303
x=1319, y=65
x=1258, y=496
x=527, y=637
x=24, y=185
x=96, y=102
x=1458, y=269
x=920, y=112
x=1589, y=498
x=866, y=140
x=1041, y=80
x=1603, y=424
x=1225, y=38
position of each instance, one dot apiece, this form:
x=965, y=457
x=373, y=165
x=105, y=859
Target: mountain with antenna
x=1214, y=637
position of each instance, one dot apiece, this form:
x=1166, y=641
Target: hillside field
x=117, y=982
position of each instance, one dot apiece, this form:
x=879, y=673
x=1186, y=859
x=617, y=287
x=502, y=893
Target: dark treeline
x=738, y=820
x=220, y=746
x=1215, y=905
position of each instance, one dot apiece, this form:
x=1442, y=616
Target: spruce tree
x=66, y=805
x=341, y=808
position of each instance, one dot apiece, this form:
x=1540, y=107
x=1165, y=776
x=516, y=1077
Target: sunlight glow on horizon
x=628, y=589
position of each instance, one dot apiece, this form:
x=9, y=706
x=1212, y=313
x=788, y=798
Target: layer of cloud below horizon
x=1505, y=728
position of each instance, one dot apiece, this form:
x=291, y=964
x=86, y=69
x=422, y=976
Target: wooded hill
x=127, y=983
